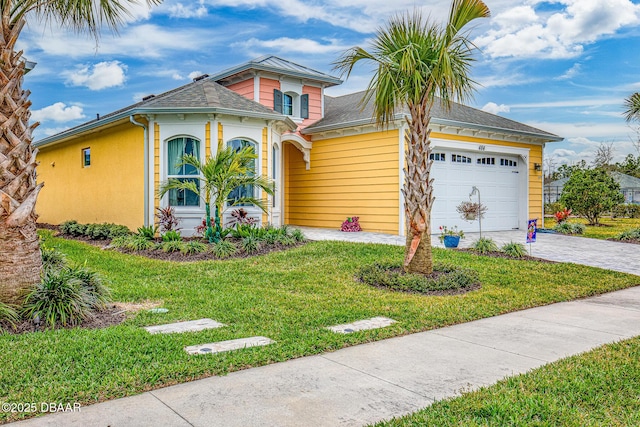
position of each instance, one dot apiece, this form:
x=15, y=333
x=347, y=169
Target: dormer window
x=291, y=104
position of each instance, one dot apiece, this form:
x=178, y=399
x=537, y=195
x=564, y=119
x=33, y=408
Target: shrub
x=250, y=244
x=223, y=249
x=148, y=232
x=515, y=250
x=391, y=276
x=633, y=234
x=569, y=228
x=58, y=298
x=193, y=247
x=7, y=314
x=552, y=208
x=626, y=210
x=167, y=219
x=72, y=228
x=298, y=235
x=171, y=246
x=96, y=294
x=94, y=231
x=171, y=236
x=562, y=216
x=241, y=231
x=351, y=224
x=52, y=259
x=484, y=245
x=590, y=193
x=134, y=242
x=240, y=216
x=286, y=240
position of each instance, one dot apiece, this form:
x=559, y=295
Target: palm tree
x=418, y=62
x=20, y=260
x=219, y=176
x=632, y=103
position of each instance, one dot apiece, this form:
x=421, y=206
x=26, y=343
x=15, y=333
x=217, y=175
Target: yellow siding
x=265, y=172
x=535, y=177
x=111, y=189
x=349, y=176
x=220, y=137
x=156, y=165
x=207, y=140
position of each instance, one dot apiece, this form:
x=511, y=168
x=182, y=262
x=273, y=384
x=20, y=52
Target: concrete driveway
x=624, y=257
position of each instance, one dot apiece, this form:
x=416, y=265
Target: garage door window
x=486, y=161
x=509, y=163
x=457, y=158
x=438, y=157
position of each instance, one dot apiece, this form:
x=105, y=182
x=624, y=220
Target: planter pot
x=451, y=241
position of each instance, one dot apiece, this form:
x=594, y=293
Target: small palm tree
x=418, y=62
x=220, y=175
x=632, y=103
x=20, y=260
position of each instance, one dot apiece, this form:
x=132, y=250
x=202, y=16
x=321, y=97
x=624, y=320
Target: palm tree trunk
x=418, y=191
x=20, y=259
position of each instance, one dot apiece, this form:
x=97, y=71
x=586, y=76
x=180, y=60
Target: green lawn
x=598, y=388
x=611, y=227
x=287, y=296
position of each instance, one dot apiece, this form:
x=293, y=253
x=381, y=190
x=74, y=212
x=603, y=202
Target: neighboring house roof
x=274, y=64
x=347, y=110
x=625, y=181
x=204, y=95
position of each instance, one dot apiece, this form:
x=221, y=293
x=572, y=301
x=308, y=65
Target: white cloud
x=579, y=102
x=288, y=45
x=100, y=76
x=192, y=75
x=58, y=112
x=571, y=72
x=179, y=10
x=522, y=31
x=493, y=108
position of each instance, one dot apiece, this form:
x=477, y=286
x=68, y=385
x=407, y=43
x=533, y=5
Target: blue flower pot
x=451, y=241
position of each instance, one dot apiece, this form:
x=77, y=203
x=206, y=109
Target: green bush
x=96, y=293
x=223, y=249
x=514, y=249
x=172, y=236
x=59, y=298
x=52, y=259
x=298, y=235
x=72, y=228
x=552, y=208
x=193, y=247
x=102, y=231
x=569, y=228
x=391, y=276
x=171, y=246
x=626, y=210
x=148, y=232
x=591, y=193
x=132, y=242
x=484, y=245
x=250, y=244
x=633, y=234
x=7, y=314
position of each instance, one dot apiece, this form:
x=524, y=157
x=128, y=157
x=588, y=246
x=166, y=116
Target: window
x=438, y=157
x=176, y=148
x=291, y=104
x=246, y=190
x=457, y=158
x=486, y=161
x=86, y=157
x=507, y=162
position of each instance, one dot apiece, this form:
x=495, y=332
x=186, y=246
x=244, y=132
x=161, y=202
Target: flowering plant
x=445, y=231
x=351, y=224
x=562, y=216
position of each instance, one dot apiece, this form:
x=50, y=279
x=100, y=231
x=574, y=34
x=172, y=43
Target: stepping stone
x=362, y=325
x=222, y=346
x=190, y=326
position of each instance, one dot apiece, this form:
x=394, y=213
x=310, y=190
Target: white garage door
x=497, y=176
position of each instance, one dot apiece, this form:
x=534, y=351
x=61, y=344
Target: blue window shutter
x=304, y=106
x=277, y=100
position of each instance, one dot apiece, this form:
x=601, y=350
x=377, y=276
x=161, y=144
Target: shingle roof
x=278, y=65
x=347, y=110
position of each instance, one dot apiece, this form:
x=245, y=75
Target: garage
x=500, y=177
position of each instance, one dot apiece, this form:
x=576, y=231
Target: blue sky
x=564, y=66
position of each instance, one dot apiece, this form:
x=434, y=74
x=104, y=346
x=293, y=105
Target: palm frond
x=632, y=103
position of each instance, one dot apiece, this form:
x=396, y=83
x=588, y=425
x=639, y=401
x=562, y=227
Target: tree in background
x=20, y=259
x=418, y=63
x=590, y=193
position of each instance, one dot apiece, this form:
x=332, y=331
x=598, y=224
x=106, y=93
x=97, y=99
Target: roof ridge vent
x=148, y=97
x=197, y=79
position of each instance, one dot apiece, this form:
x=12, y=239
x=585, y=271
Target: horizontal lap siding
x=266, y=91
x=244, y=88
x=349, y=176
x=315, y=104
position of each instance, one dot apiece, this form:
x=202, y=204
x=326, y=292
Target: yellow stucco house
x=326, y=156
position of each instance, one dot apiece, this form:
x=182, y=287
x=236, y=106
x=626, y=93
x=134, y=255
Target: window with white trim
x=458, y=158
x=486, y=161
x=246, y=190
x=176, y=149
x=437, y=157
x=508, y=162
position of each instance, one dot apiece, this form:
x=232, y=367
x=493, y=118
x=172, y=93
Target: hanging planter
x=470, y=211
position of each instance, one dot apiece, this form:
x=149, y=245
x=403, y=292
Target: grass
x=598, y=388
x=612, y=227
x=287, y=296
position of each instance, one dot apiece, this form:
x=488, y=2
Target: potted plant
x=450, y=236
x=470, y=211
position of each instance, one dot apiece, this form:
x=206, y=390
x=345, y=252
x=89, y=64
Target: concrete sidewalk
x=376, y=381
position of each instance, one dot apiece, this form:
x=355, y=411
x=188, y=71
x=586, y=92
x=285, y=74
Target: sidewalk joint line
x=170, y=408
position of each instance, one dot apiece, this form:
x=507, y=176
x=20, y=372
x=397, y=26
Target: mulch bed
x=498, y=254
x=110, y=316
x=632, y=241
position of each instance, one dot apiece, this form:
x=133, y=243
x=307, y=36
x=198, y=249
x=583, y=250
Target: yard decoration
x=351, y=224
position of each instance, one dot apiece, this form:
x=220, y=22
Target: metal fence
x=552, y=194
